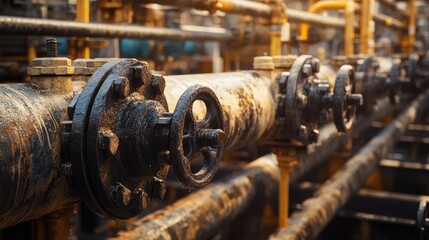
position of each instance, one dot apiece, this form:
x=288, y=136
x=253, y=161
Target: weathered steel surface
x=247, y=98
x=257, y=9
x=30, y=153
x=201, y=214
x=330, y=141
x=316, y=212
x=34, y=26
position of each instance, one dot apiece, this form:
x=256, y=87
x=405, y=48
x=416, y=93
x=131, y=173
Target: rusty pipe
x=35, y=26
x=32, y=184
x=248, y=100
x=168, y=222
x=317, y=212
x=200, y=214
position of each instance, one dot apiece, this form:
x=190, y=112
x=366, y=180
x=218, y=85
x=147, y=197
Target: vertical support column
x=366, y=34
x=286, y=158
x=82, y=15
x=349, y=33
x=408, y=39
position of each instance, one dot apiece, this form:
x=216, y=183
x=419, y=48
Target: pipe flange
x=365, y=83
x=107, y=183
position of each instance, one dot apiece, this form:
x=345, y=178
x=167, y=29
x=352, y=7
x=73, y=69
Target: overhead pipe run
x=317, y=212
x=36, y=26
x=254, y=9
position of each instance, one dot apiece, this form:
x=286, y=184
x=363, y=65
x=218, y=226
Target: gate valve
x=123, y=139
x=189, y=136
x=345, y=99
x=305, y=101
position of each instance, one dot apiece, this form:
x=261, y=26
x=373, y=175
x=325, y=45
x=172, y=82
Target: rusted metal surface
x=316, y=212
x=247, y=98
x=35, y=26
x=330, y=141
x=30, y=153
x=184, y=220
x=201, y=214
x=123, y=140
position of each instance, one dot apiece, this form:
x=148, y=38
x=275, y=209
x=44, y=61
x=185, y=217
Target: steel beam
x=317, y=212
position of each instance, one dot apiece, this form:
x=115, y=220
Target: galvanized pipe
x=248, y=100
x=201, y=213
x=317, y=212
x=31, y=184
x=35, y=26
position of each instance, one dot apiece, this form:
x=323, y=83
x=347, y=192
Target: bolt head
x=315, y=65
x=158, y=83
x=120, y=194
x=122, y=87
x=307, y=69
x=158, y=188
x=139, y=199
x=109, y=143
x=301, y=101
x=313, y=136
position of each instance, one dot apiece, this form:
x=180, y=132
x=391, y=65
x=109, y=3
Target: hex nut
x=307, y=69
x=158, y=83
x=122, y=87
x=109, y=143
x=120, y=194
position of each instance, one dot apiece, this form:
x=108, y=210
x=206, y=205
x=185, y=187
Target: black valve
x=306, y=101
x=189, y=136
x=345, y=99
x=123, y=139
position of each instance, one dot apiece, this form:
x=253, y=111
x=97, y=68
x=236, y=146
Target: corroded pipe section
x=171, y=222
x=35, y=26
x=329, y=141
x=317, y=212
x=200, y=214
x=30, y=153
x=247, y=98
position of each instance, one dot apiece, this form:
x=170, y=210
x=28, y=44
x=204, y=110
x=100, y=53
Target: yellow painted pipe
x=82, y=15
x=365, y=35
x=348, y=6
x=318, y=7
x=408, y=40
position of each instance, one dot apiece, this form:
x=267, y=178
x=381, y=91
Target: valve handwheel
x=189, y=136
x=345, y=99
